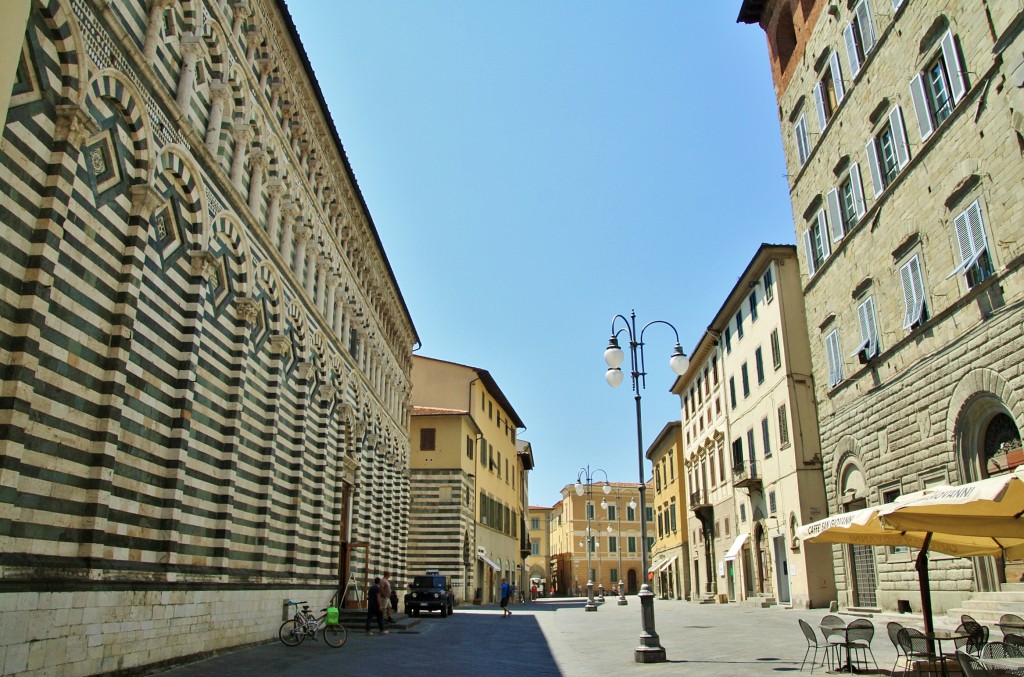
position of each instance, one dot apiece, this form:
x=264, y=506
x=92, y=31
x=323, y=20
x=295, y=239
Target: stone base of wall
x=83, y=633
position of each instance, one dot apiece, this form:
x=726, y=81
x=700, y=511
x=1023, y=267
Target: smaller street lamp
x=618, y=542
x=585, y=474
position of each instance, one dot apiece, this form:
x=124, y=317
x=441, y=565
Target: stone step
x=995, y=605
x=866, y=611
x=998, y=596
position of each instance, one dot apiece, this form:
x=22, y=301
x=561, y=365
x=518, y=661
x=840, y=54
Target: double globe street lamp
x=585, y=484
x=650, y=649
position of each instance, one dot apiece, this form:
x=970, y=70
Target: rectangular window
x=759, y=365
x=888, y=152
x=752, y=302
x=631, y=543
x=630, y=514
x=829, y=91
x=888, y=496
x=939, y=87
x=771, y=502
x=816, y=243
x=613, y=546
x=776, y=349
x=672, y=516
x=975, y=262
x=750, y=451
x=499, y=464
x=846, y=204
x=714, y=369
x=869, y=346
x=834, y=358
x=746, y=380
x=661, y=525
x=803, y=145
x=732, y=392
x=615, y=575
x=765, y=439
x=783, y=427
x=612, y=512
x=739, y=324
x=912, y=282
x=737, y=454
x=650, y=514
x=725, y=523
x=469, y=447
x=859, y=36
x=590, y=511
x=768, y=281
x=728, y=340
x=535, y=523
x=427, y=439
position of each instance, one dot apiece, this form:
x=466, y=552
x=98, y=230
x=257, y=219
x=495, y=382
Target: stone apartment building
x=753, y=461
x=469, y=480
x=670, y=561
x=205, y=353
x=903, y=128
x=614, y=554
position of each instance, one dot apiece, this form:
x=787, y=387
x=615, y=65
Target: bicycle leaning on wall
x=306, y=624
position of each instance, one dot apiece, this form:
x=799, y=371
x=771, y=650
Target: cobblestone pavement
x=553, y=638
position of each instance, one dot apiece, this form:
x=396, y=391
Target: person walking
x=385, y=596
x=506, y=592
x=375, y=608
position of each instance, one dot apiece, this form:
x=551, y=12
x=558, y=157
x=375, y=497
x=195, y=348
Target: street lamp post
x=650, y=649
x=585, y=474
x=618, y=541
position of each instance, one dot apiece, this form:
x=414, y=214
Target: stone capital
x=74, y=124
x=203, y=263
x=327, y=392
x=248, y=309
x=275, y=187
x=145, y=199
x=258, y=157
x=305, y=370
x=280, y=344
x=219, y=91
x=303, y=234
x=191, y=45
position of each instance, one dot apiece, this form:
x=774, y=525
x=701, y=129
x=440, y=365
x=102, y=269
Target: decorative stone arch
x=297, y=320
x=981, y=394
x=228, y=230
x=69, y=44
x=190, y=16
x=216, y=49
x=265, y=279
x=179, y=163
x=239, y=98
x=111, y=85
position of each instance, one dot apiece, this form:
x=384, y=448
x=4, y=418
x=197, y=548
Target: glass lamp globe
x=679, y=361
x=579, y=488
x=632, y=504
x=607, y=488
x=604, y=504
x=614, y=377
x=613, y=353
x=609, y=528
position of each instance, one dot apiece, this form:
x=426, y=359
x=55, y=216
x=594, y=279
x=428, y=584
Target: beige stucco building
x=670, y=561
x=614, y=555
x=754, y=457
x=902, y=123
x=538, y=562
x=205, y=395
x=469, y=481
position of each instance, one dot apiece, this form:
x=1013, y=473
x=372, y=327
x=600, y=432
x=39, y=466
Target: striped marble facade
x=441, y=527
x=204, y=353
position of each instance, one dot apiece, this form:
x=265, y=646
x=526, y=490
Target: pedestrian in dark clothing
x=375, y=608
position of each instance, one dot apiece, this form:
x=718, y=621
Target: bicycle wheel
x=291, y=633
x=335, y=635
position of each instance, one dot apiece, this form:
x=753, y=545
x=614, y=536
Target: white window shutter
x=835, y=215
x=826, y=248
x=837, y=76
x=858, y=190
x=899, y=137
x=869, y=316
x=819, y=103
x=977, y=228
x=896, y=4
x=802, y=144
x=918, y=278
x=951, y=55
x=851, y=50
x=907, y=282
x=867, y=28
x=924, y=116
x=963, y=238
x=873, y=166
x=865, y=329
x=809, y=249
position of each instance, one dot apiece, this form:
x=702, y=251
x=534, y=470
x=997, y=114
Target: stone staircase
x=760, y=602
x=987, y=607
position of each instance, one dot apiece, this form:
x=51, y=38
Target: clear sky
x=536, y=167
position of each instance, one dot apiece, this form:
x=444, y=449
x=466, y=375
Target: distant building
x=614, y=555
x=469, y=470
x=753, y=461
x=670, y=562
x=538, y=562
x=903, y=126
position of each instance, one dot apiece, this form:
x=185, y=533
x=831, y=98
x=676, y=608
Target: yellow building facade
x=669, y=571
x=469, y=480
x=538, y=562
x=614, y=538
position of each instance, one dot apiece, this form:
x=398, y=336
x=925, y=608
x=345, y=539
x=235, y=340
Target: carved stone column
x=191, y=48
x=219, y=94
x=258, y=164
x=289, y=214
x=241, y=11
x=275, y=188
x=243, y=135
x=323, y=266
x=312, y=249
x=153, y=26
x=330, y=303
x=302, y=236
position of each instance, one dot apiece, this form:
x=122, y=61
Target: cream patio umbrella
x=989, y=508
x=872, y=526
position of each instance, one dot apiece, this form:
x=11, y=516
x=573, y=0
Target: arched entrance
x=989, y=444
x=760, y=551
x=631, y=585
x=860, y=559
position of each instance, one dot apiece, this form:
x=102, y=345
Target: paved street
x=553, y=638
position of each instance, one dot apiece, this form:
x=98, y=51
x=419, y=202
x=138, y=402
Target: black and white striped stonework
x=178, y=412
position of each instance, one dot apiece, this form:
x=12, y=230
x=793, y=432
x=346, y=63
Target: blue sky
x=535, y=167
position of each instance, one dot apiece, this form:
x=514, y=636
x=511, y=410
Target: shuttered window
x=912, y=281
x=803, y=145
x=939, y=88
x=975, y=261
x=869, y=346
x=859, y=36
x=888, y=152
x=834, y=358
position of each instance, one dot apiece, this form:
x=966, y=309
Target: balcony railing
x=745, y=475
x=699, y=500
